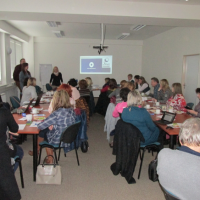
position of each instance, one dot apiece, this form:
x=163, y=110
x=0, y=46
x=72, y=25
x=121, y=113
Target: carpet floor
x=93, y=179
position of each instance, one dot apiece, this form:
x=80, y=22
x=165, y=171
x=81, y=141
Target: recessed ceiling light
x=123, y=36
x=53, y=24
x=137, y=28
x=59, y=34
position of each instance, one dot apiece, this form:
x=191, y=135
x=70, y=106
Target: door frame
x=184, y=72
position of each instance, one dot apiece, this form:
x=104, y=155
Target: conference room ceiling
x=87, y=31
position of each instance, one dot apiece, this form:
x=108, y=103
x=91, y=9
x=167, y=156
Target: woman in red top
x=177, y=101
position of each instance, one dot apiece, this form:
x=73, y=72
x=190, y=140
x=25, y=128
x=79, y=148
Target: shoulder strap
x=15, y=100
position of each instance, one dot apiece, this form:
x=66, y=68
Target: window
x=16, y=54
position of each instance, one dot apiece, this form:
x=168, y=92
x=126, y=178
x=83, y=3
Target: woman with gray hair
x=140, y=118
x=178, y=170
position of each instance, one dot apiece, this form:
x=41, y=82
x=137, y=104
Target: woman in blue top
x=62, y=116
x=140, y=118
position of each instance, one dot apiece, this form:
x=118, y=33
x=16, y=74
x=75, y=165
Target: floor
x=93, y=179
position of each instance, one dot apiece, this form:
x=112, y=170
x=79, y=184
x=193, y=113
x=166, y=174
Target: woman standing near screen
x=56, y=78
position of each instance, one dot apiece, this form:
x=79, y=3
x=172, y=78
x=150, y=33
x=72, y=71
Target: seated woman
x=62, y=116
x=107, y=80
x=116, y=92
x=83, y=88
x=140, y=118
x=177, y=101
x=8, y=185
x=143, y=86
x=120, y=106
x=89, y=83
x=164, y=92
x=29, y=91
x=111, y=87
x=196, y=111
x=136, y=78
x=75, y=93
x=131, y=86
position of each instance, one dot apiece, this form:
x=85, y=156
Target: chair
x=48, y=87
x=68, y=136
x=15, y=102
x=190, y=105
x=38, y=90
x=17, y=159
x=148, y=147
x=168, y=195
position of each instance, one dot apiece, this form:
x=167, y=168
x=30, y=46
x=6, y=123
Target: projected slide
x=95, y=64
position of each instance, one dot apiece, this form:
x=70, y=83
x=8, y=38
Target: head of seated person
x=124, y=94
x=189, y=135
x=176, y=89
x=131, y=86
x=123, y=84
x=142, y=81
x=112, y=84
x=136, y=78
x=67, y=88
x=82, y=84
x=89, y=82
x=72, y=82
x=134, y=99
x=164, y=85
x=31, y=82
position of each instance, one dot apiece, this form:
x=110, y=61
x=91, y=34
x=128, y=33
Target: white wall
x=163, y=54
x=65, y=53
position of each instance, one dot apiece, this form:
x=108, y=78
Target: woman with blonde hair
x=29, y=91
x=130, y=86
x=56, y=78
x=143, y=86
x=89, y=83
x=62, y=116
x=164, y=92
x=177, y=101
x=139, y=117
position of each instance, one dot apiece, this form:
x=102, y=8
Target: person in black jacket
x=8, y=186
x=56, y=78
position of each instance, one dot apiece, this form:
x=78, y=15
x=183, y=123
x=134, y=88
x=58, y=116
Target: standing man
x=156, y=85
x=130, y=78
x=16, y=73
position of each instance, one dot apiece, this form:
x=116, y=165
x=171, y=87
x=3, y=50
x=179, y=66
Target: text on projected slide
x=95, y=64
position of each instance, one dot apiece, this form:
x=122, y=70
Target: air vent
x=123, y=36
x=137, y=28
x=53, y=24
x=59, y=34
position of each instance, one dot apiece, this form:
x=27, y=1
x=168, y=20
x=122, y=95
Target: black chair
x=153, y=146
x=168, y=195
x=68, y=136
x=17, y=159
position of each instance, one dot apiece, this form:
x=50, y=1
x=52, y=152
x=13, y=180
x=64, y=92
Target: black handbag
x=152, y=170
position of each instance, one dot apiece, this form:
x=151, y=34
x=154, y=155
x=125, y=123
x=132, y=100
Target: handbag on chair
x=48, y=173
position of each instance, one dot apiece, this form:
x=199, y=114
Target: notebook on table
x=167, y=118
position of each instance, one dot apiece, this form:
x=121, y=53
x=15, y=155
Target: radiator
x=3, y=97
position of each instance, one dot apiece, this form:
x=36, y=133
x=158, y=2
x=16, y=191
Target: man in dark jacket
x=16, y=73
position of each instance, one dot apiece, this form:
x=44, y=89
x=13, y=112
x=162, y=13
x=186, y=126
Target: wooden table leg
x=35, y=156
x=171, y=143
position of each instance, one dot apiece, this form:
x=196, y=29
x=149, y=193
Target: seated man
x=155, y=84
x=178, y=170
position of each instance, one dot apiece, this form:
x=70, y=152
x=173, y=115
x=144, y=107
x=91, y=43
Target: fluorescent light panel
x=123, y=36
x=53, y=24
x=137, y=28
x=58, y=34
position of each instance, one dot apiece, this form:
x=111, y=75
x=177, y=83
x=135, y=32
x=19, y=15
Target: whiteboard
x=45, y=73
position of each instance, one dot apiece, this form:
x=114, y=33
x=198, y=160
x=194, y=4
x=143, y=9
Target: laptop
x=167, y=118
x=37, y=101
x=22, y=110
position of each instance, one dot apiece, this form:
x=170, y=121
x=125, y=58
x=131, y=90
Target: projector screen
x=95, y=64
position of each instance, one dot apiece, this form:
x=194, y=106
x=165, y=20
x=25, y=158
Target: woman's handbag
x=152, y=170
x=48, y=173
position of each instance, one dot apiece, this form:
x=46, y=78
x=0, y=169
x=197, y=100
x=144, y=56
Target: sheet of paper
x=175, y=125
x=34, y=124
x=144, y=98
x=39, y=115
x=21, y=126
x=23, y=118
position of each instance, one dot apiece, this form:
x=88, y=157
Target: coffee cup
x=147, y=106
x=157, y=111
x=51, y=92
x=29, y=118
x=142, y=94
x=34, y=110
x=157, y=103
